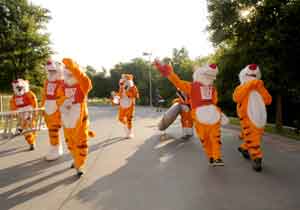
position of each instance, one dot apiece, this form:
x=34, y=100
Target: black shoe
x=257, y=164
x=245, y=153
x=80, y=172
x=211, y=161
x=218, y=162
x=32, y=147
x=72, y=166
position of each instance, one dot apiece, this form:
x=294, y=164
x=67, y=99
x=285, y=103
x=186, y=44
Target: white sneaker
x=55, y=152
x=187, y=132
x=126, y=130
x=130, y=134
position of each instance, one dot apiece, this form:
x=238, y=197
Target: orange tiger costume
x=205, y=114
x=185, y=114
x=24, y=100
x=74, y=113
x=251, y=97
x=127, y=94
x=51, y=94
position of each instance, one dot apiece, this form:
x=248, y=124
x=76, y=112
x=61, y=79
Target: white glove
x=224, y=119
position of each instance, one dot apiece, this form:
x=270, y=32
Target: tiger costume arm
x=83, y=80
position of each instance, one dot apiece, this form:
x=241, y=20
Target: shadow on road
x=38, y=168
x=175, y=175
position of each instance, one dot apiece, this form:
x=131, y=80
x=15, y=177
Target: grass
x=270, y=128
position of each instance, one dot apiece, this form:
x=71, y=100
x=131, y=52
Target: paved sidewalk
x=147, y=174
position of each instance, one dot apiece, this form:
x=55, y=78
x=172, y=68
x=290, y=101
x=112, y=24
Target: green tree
x=24, y=45
x=262, y=32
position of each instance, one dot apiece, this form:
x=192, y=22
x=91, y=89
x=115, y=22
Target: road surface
x=147, y=174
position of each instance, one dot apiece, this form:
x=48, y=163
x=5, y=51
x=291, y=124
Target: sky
x=102, y=33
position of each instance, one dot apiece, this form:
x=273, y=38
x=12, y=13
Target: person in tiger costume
x=74, y=113
x=206, y=115
x=252, y=97
x=126, y=97
x=24, y=100
x=51, y=94
x=185, y=114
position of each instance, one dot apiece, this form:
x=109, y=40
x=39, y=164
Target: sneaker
x=32, y=147
x=130, y=134
x=257, y=164
x=244, y=152
x=80, y=172
x=218, y=162
x=72, y=165
x=55, y=152
x=211, y=161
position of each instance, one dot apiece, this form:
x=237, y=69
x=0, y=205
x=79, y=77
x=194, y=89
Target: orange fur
x=77, y=136
x=250, y=134
x=53, y=121
x=125, y=115
x=29, y=99
x=209, y=134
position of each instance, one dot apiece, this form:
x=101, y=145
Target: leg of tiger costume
x=30, y=138
x=186, y=123
x=126, y=117
x=210, y=138
x=53, y=127
x=77, y=145
x=74, y=113
x=251, y=139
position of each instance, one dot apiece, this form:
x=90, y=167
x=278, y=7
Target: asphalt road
x=145, y=173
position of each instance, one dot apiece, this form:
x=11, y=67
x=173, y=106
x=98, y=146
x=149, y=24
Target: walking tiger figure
x=207, y=117
x=252, y=97
x=24, y=100
x=74, y=113
x=126, y=97
x=53, y=90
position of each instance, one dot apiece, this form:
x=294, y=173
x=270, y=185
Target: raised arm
x=84, y=81
x=167, y=71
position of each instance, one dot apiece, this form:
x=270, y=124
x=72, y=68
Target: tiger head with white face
x=54, y=70
x=20, y=87
x=250, y=72
x=206, y=74
x=126, y=81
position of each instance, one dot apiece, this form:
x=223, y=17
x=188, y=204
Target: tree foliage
x=263, y=32
x=140, y=68
x=24, y=46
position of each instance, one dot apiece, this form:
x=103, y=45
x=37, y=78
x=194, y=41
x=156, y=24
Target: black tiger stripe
x=84, y=118
x=255, y=147
x=53, y=136
x=82, y=146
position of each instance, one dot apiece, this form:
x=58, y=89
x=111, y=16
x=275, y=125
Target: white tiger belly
x=70, y=117
x=208, y=114
x=50, y=107
x=125, y=102
x=256, y=109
